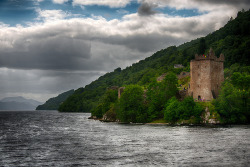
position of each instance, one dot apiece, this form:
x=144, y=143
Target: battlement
x=209, y=56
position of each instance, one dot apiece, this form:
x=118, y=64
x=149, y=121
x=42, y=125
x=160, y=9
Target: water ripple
x=49, y=138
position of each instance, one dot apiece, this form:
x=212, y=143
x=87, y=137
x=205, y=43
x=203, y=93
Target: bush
x=159, y=93
x=185, y=110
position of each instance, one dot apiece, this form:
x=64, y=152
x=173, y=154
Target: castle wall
x=206, y=76
x=217, y=76
x=200, y=83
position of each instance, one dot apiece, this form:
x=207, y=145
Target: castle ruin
x=207, y=74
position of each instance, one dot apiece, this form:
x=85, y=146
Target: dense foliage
x=233, y=104
x=132, y=105
x=232, y=40
x=158, y=93
x=53, y=103
x=107, y=102
x=184, y=110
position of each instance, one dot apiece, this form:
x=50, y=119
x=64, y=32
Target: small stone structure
x=207, y=74
x=178, y=66
x=160, y=78
x=113, y=88
x=120, y=91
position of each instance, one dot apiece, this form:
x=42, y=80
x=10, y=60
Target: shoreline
x=170, y=124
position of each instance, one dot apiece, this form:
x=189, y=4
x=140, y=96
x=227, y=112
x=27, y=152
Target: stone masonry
x=120, y=91
x=207, y=74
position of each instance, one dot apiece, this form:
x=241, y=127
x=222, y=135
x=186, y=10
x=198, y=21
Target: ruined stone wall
x=120, y=91
x=217, y=76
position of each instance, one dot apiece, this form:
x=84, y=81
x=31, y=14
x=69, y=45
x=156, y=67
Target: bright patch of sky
x=22, y=12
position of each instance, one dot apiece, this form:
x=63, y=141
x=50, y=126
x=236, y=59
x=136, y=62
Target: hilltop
x=53, y=103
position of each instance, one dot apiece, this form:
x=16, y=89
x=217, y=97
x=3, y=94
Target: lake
x=50, y=138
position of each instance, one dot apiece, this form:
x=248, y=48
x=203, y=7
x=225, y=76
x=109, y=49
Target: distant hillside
x=233, y=40
x=53, y=103
x=18, y=103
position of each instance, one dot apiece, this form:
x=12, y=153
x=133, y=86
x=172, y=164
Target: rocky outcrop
x=207, y=118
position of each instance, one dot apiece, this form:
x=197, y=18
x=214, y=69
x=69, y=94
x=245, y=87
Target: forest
x=53, y=103
x=157, y=100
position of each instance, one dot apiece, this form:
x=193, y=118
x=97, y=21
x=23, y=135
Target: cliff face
x=208, y=118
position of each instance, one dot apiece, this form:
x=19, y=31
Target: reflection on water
x=49, y=138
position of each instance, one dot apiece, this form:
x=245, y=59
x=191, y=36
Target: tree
x=159, y=93
x=118, y=69
x=241, y=81
x=229, y=104
x=202, y=46
x=170, y=114
x=170, y=85
x=131, y=105
x=184, y=110
x=109, y=98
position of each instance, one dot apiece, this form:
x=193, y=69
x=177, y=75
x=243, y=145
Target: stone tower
x=207, y=74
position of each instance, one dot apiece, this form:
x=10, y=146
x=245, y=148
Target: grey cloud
x=147, y=9
x=46, y=53
x=42, y=83
x=227, y=2
x=73, y=44
x=61, y=47
x=151, y=42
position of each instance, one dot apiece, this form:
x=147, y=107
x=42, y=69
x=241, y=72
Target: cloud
x=203, y=5
x=72, y=44
x=51, y=14
x=146, y=9
x=45, y=53
x=109, y=3
x=60, y=1
x=41, y=85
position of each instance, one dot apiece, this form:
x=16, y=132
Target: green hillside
x=53, y=103
x=233, y=40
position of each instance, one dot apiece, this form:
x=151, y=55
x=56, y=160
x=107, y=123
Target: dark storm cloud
x=46, y=53
x=147, y=9
x=72, y=45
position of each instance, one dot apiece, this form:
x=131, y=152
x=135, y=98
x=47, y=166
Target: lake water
x=49, y=138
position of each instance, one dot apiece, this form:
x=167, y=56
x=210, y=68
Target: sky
x=50, y=46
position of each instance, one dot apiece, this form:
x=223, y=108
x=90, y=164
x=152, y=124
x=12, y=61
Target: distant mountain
x=18, y=103
x=53, y=103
